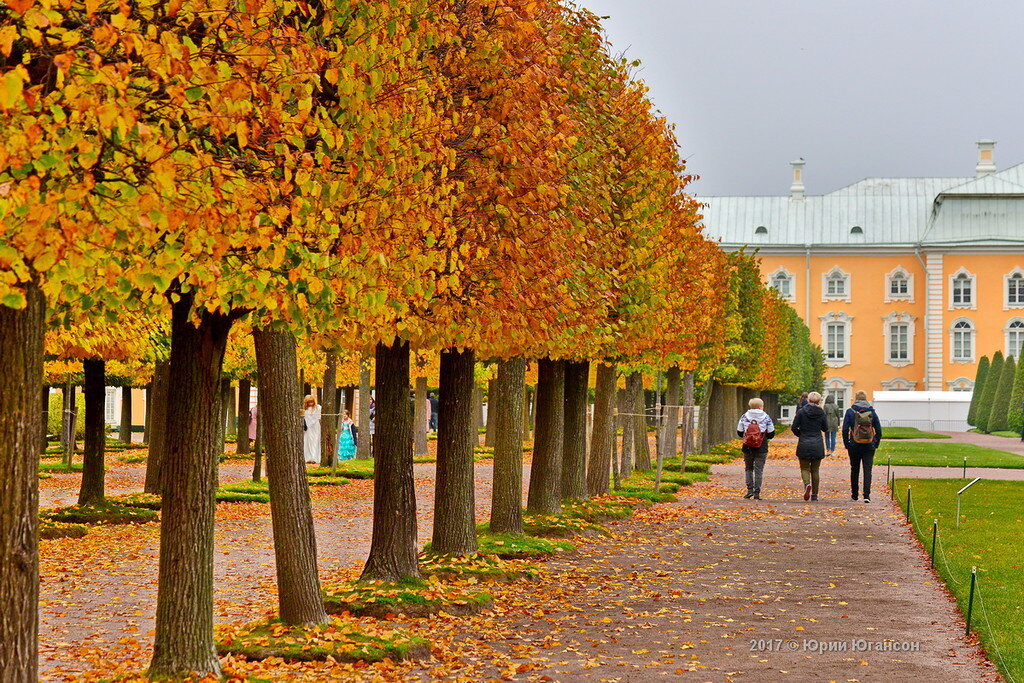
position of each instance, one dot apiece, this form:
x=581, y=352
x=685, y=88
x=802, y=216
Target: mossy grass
x=732, y=448
x=514, y=546
x=554, y=526
x=50, y=530
x=350, y=469
x=244, y=492
x=600, y=509
x=133, y=458
x=476, y=567
x=150, y=501
x=328, y=481
x=235, y=456
x=694, y=466
x=106, y=512
x=59, y=467
x=711, y=458
x=410, y=597
x=341, y=641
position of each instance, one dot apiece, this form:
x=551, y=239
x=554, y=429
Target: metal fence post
x=908, y=502
x=970, y=600
x=935, y=536
x=965, y=468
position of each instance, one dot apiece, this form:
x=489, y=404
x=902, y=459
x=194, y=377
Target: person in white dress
x=311, y=429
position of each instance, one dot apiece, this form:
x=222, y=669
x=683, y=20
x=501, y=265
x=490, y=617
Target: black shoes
x=748, y=494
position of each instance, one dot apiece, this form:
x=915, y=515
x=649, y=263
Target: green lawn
x=991, y=524
x=910, y=433
x=925, y=454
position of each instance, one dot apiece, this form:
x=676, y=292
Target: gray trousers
x=753, y=465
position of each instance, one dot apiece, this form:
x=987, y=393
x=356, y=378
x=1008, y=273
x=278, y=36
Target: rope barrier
x=995, y=644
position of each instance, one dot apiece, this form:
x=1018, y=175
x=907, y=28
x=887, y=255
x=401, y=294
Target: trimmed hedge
x=997, y=419
x=979, y=385
x=988, y=392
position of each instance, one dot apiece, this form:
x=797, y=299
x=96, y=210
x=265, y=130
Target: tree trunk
x=546, y=470
x=420, y=421
x=329, y=417
x=94, y=389
x=68, y=421
x=489, y=431
x=641, y=444
x=230, y=411
x=146, y=420
x=625, y=423
x=507, y=406
x=574, y=442
x=223, y=404
x=529, y=405
x=393, y=549
x=257, y=453
x=478, y=412
x=673, y=381
x=299, y=597
x=454, y=503
x=604, y=431
x=242, y=418
x=46, y=414
x=158, y=427
x=363, y=447
x=184, y=614
x=687, y=438
x=21, y=374
x=125, y=431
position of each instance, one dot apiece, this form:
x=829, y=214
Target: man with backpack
x=756, y=429
x=862, y=432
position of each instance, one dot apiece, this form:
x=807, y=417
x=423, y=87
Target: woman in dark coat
x=810, y=425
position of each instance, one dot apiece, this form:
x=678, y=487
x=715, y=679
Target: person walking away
x=433, y=411
x=862, y=432
x=834, y=417
x=311, y=413
x=756, y=429
x=347, y=438
x=801, y=404
x=810, y=425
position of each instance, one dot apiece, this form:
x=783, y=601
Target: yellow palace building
x=904, y=282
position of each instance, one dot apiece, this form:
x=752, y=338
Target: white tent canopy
x=928, y=410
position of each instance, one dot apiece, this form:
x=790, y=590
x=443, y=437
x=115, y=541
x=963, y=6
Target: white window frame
x=961, y=384
x=111, y=405
x=898, y=318
x=953, y=331
x=908, y=277
x=783, y=273
x=899, y=384
x=1009, y=331
x=836, y=273
x=973, y=305
x=1016, y=274
x=847, y=321
x=838, y=385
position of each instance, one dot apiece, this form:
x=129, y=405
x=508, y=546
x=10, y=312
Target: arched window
x=761, y=231
x=1014, y=337
x=782, y=281
x=857, y=230
x=961, y=290
x=836, y=285
x=1015, y=289
x=899, y=285
x=962, y=341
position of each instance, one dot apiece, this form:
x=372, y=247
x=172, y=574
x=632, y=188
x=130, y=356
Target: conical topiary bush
x=979, y=385
x=1015, y=415
x=988, y=392
x=1001, y=403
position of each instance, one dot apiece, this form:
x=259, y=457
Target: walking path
x=712, y=588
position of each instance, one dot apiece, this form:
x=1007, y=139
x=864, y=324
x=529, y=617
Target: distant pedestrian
x=348, y=438
x=433, y=411
x=810, y=425
x=862, y=432
x=801, y=404
x=253, y=417
x=756, y=429
x=834, y=417
x=311, y=413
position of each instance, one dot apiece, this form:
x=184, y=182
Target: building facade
x=904, y=282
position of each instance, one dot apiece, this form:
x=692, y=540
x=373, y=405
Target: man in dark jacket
x=810, y=425
x=754, y=456
x=861, y=440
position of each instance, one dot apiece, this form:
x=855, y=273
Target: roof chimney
x=796, y=190
x=986, y=163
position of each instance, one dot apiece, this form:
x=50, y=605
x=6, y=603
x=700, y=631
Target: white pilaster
x=934, y=334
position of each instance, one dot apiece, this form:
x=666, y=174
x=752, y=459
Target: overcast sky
x=858, y=88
